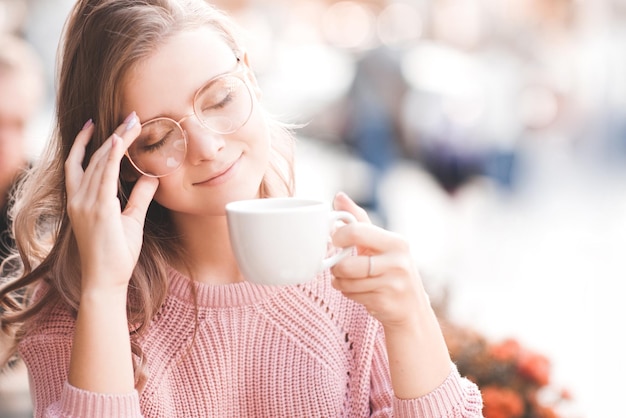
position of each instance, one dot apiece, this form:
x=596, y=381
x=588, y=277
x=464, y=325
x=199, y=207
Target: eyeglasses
x=223, y=105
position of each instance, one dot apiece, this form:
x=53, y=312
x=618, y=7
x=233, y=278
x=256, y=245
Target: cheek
x=257, y=134
x=169, y=191
x=256, y=139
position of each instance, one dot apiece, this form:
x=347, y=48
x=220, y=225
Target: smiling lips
x=221, y=176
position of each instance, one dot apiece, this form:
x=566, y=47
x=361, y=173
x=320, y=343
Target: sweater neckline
x=218, y=295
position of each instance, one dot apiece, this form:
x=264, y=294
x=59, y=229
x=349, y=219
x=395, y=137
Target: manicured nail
x=87, y=124
x=131, y=121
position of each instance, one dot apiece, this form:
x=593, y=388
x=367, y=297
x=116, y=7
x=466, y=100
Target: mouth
x=222, y=175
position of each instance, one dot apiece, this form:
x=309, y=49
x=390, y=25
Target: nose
x=202, y=143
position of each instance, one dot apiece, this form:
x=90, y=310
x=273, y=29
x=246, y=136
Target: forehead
x=164, y=84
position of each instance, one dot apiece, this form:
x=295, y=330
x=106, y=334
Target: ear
x=251, y=77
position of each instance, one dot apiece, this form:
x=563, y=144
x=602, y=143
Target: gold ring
x=369, y=266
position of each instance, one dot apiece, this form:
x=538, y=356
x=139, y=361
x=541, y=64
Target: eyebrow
x=169, y=114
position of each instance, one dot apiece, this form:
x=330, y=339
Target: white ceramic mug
x=283, y=241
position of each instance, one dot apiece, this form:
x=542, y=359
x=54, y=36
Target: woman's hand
x=109, y=240
x=383, y=276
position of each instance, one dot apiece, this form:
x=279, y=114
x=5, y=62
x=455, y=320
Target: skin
x=18, y=104
x=199, y=207
x=164, y=85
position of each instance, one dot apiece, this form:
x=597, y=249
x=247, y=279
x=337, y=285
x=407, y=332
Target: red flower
x=535, y=367
x=514, y=381
x=506, y=350
x=501, y=402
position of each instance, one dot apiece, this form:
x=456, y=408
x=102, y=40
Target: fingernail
x=87, y=124
x=131, y=121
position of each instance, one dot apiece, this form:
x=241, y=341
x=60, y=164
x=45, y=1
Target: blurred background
x=491, y=133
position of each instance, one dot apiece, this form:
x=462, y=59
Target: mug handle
x=347, y=217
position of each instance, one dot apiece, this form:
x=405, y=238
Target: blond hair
x=103, y=40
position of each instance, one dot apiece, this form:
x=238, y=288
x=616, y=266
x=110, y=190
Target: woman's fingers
x=343, y=202
x=361, y=266
x=94, y=208
x=74, y=163
x=127, y=130
x=369, y=238
x=389, y=298
x=100, y=176
x=97, y=183
x=107, y=168
x=382, y=277
x=354, y=286
x=140, y=198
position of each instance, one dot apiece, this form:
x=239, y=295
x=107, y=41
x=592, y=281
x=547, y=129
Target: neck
x=208, y=255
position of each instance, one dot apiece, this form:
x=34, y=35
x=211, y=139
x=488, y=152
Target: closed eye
x=228, y=99
x=156, y=145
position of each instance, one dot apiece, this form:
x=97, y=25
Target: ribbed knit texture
x=257, y=351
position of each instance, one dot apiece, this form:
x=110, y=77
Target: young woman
x=135, y=305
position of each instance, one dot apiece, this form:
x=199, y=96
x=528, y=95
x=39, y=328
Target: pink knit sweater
x=258, y=351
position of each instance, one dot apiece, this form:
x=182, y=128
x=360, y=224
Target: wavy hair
x=103, y=40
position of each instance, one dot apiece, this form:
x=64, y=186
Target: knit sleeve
x=456, y=397
x=46, y=353
x=76, y=402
